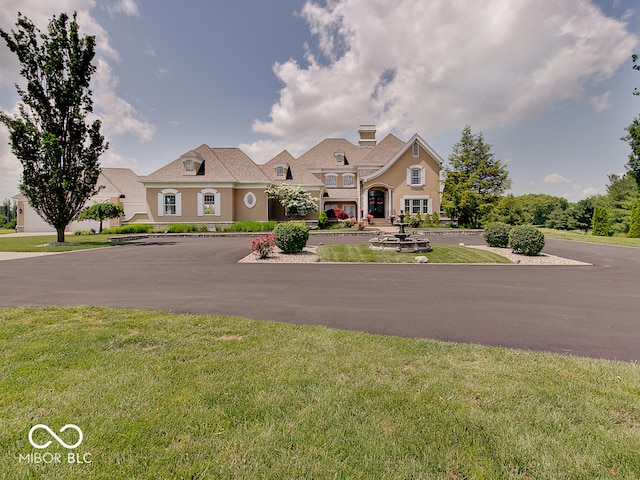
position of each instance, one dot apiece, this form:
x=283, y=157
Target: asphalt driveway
x=583, y=310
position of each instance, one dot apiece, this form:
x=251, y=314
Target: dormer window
x=279, y=171
x=193, y=166
x=339, y=157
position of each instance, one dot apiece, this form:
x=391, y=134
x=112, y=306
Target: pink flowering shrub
x=263, y=246
x=340, y=214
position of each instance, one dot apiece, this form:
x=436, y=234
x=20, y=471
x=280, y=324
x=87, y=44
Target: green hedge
x=186, y=228
x=133, y=228
x=249, y=226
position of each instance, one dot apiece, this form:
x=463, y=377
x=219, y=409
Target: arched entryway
x=376, y=202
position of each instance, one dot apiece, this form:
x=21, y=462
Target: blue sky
x=548, y=82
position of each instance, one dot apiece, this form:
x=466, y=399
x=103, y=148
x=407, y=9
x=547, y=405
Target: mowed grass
x=440, y=254
x=580, y=236
x=35, y=243
x=4, y=231
x=161, y=395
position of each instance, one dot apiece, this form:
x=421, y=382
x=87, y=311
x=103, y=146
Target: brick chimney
x=367, y=135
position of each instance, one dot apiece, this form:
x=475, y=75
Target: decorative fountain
x=401, y=241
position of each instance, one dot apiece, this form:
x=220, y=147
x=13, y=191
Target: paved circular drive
x=582, y=310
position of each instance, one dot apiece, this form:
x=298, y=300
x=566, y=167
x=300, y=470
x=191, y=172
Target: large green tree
x=473, y=180
x=633, y=136
x=51, y=136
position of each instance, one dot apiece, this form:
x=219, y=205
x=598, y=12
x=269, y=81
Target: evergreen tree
x=58, y=149
x=600, y=222
x=634, y=224
x=473, y=181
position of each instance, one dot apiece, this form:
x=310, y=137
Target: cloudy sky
x=548, y=82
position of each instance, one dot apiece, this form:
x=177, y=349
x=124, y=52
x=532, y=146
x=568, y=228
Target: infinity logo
x=59, y=440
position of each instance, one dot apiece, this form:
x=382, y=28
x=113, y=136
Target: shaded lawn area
x=440, y=254
x=4, y=231
x=34, y=244
x=161, y=395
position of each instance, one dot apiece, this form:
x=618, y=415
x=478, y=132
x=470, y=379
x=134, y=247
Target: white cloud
x=588, y=192
x=126, y=7
x=119, y=117
x=601, y=102
x=430, y=66
x=264, y=150
x=556, y=178
x=113, y=160
x=10, y=168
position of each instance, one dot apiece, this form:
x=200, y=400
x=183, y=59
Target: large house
x=216, y=186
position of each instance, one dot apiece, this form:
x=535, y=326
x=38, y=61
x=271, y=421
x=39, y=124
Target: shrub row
x=249, y=226
x=133, y=228
x=523, y=239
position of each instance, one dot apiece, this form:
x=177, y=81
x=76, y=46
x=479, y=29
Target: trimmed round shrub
x=526, y=240
x=497, y=234
x=291, y=237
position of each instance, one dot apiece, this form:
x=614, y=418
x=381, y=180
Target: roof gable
x=401, y=152
x=227, y=165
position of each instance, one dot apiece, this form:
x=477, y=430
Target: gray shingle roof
x=220, y=165
x=122, y=181
x=300, y=174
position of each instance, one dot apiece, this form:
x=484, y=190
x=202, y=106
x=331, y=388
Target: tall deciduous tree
x=474, y=180
x=633, y=139
x=633, y=136
x=51, y=136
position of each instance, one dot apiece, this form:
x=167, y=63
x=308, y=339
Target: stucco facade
x=215, y=186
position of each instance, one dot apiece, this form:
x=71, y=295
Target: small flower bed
x=348, y=222
x=263, y=246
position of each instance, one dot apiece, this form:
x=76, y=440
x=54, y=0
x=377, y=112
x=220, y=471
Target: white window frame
x=250, y=200
x=416, y=149
x=162, y=205
x=333, y=183
x=216, y=202
x=421, y=176
x=279, y=171
x=425, y=206
x=348, y=180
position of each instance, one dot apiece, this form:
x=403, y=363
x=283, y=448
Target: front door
x=376, y=203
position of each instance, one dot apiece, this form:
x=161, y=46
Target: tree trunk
x=60, y=231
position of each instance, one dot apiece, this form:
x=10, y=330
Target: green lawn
x=587, y=237
x=440, y=254
x=33, y=244
x=4, y=231
x=161, y=395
